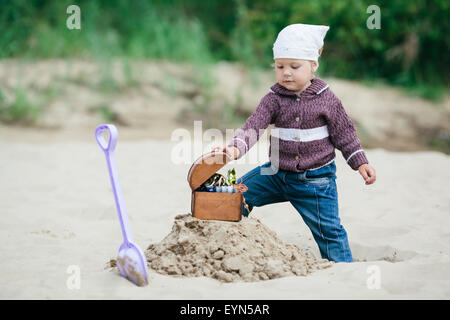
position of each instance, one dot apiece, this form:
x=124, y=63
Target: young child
x=310, y=122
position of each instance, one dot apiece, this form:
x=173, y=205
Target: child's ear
x=314, y=66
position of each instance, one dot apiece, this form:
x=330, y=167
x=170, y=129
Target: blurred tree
x=410, y=48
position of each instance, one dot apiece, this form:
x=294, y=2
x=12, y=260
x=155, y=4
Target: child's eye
x=295, y=67
x=280, y=67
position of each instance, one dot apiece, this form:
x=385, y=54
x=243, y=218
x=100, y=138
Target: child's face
x=294, y=74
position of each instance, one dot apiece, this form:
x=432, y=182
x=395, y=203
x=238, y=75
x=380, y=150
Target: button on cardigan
x=308, y=128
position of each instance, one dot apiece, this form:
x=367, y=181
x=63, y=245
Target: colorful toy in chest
x=220, y=183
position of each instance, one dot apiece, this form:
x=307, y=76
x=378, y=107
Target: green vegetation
x=442, y=145
x=105, y=112
x=37, y=29
x=20, y=110
x=440, y=141
x=410, y=50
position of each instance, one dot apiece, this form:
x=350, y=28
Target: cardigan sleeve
x=256, y=124
x=343, y=135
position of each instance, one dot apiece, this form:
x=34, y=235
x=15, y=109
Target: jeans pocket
x=318, y=181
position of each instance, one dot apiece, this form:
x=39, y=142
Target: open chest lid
x=205, y=166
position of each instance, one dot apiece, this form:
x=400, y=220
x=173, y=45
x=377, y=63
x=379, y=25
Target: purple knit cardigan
x=294, y=148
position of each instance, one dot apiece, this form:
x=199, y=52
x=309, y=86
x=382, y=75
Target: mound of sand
x=228, y=251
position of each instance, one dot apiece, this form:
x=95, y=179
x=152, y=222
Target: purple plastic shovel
x=130, y=260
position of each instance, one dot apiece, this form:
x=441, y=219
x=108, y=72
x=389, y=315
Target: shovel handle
x=108, y=148
x=110, y=145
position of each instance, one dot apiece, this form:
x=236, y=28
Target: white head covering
x=300, y=41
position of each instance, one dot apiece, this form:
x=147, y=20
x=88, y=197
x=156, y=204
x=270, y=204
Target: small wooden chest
x=212, y=205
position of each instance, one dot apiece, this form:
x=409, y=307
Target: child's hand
x=368, y=173
x=232, y=151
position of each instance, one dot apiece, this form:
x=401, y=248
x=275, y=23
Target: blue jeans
x=313, y=194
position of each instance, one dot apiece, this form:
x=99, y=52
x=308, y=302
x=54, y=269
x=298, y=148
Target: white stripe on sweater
x=321, y=90
x=304, y=135
x=323, y=165
x=360, y=150
x=246, y=146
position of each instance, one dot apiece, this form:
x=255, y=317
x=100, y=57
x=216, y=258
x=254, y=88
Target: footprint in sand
x=363, y=253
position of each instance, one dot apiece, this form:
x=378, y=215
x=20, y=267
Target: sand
x=164, y=96
x=229, y=252
x=60, y=226
x=59, y=223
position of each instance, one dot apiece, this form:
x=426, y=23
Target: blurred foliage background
x=411, y=49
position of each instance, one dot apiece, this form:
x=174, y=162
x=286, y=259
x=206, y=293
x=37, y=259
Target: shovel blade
x=132, y=264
